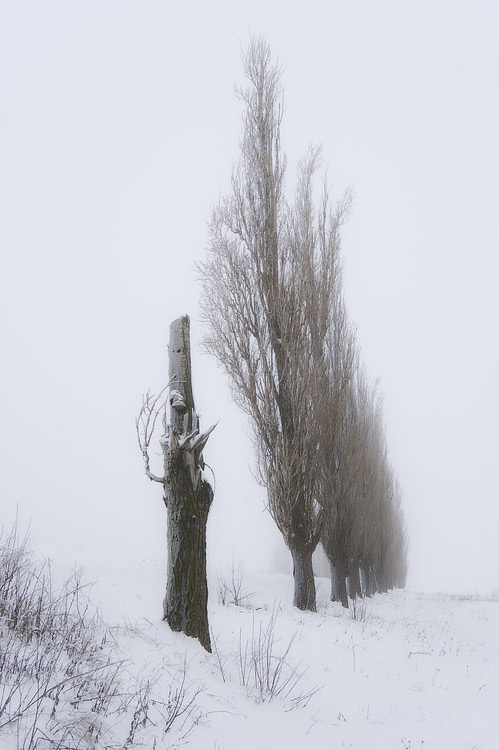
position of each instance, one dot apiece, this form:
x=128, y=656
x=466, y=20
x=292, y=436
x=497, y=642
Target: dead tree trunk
x=186, y=492
x=188, y=497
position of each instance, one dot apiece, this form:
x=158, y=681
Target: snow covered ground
x=403, y=671
x=411, y=672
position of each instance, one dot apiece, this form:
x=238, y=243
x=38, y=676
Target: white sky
x=118, y=128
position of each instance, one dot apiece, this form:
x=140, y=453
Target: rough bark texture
x=303, y=572
x=341, y=587
x=186, y=600
x=188, y=497
x=354, y=581
x=367, y=580
x=335, y=596
x=332, y=546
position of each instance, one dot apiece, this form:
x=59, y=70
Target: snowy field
x=403, y=671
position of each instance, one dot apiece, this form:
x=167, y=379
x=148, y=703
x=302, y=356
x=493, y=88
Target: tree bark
x=341, y=581
x=354, y=580
x=303, y=573
x=188, y=497
x=370, y=580
x=381, y=586
x=365, y=586
x=186, y=602
x=334, y=583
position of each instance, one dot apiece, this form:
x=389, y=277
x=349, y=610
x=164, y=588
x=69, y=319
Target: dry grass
x=61, y=685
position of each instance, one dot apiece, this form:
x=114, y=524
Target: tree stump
x=188, y=497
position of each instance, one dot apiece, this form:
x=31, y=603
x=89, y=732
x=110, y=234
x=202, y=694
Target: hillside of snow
x=401, y=671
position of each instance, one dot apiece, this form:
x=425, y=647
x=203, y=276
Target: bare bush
x=358, y=609
x=52, y=654
x=231, y=587
x=177, y=710
x=60, y=683
x=264, y=668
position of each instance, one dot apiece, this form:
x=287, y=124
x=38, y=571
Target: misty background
x=118, y=131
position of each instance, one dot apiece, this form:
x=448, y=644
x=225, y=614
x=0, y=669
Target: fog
x=119, y=127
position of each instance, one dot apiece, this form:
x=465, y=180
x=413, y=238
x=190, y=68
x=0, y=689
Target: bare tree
x=390, y=563
x=186, y=492
x=363, y=533
x=340, y=452
x=271, y=287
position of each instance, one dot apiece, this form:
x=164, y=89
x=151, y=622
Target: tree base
x=303, y=573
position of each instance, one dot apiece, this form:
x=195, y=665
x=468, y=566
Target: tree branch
x=145, y=424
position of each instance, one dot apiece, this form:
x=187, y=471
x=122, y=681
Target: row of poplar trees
x=276, y=321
